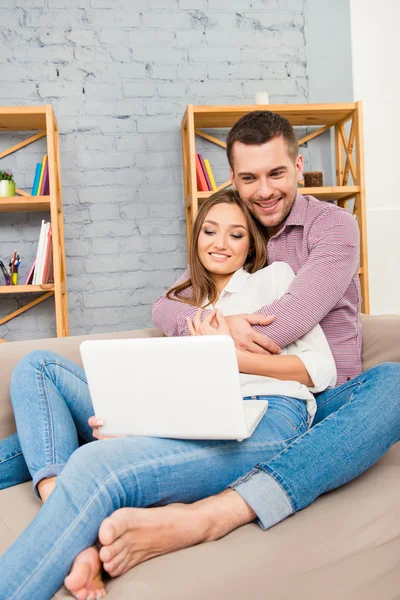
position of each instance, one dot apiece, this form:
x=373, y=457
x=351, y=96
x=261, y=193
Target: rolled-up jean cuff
x=45, y=473
x=265, y=496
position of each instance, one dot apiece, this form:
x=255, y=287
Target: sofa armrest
x=12, y=352
x=381, y=339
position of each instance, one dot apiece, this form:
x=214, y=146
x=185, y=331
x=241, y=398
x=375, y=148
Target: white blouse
x=246, y=293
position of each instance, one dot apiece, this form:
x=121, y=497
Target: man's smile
x=267, y=206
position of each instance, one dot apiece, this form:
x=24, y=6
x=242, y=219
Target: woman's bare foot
x=132, y=535
x=84, y=580
x=45, y=487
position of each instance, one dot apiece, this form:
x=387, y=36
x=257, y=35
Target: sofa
x=345, y=546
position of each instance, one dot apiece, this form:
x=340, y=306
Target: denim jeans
x=298, y=463
x=99, y=478
x=52, y=405
x=356, y=423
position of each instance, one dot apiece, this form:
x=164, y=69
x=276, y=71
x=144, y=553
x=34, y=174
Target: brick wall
x=119, y=74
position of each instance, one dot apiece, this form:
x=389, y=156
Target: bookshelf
x=349, y=157
x=39, y=122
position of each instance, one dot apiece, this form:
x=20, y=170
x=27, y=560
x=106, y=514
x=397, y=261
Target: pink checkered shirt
x=320, y=241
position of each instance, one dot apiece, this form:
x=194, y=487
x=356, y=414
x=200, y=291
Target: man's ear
x=232, y=178
x=299, y=168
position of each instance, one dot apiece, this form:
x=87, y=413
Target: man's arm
x=317, y=288
x=171, y=316
x=320, y=283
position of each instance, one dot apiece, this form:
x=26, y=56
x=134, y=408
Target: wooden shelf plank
x=25, y=204
x=19, y=118
x=24, y=289
x=335, y=192
x=297, y=114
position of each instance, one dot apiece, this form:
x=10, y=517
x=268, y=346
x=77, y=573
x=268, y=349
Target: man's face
x=266, y=179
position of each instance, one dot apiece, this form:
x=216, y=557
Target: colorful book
x=48, y=258
x=36, y=179
x=42, y=174
x=210, y=174
x=45, y=183
x=204, y=171
x=29, y=277
x=201, y=180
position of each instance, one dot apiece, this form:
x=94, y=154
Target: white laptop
x=174, y=387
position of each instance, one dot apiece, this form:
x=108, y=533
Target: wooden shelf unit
x=349, y=157
x=40, y=119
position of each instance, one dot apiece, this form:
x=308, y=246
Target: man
x=321, y=243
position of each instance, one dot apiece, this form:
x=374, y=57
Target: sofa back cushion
x=381, y=339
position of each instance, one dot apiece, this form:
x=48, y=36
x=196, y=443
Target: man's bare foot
x=84, y=580
x=132, y=535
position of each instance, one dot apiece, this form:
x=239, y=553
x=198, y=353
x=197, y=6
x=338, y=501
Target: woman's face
x=224, y=241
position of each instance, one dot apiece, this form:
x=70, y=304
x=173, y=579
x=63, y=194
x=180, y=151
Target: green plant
x=7, y=175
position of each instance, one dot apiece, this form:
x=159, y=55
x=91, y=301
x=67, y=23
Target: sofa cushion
x=381, y=339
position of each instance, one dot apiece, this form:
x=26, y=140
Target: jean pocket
x=292, y=410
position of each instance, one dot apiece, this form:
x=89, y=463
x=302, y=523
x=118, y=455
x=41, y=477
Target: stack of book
x=204, y=175
x=41, y=270
x=41, y=185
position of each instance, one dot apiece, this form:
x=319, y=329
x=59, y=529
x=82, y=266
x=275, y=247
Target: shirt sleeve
x=320, y=283
x=170, y=316
x=312, y=348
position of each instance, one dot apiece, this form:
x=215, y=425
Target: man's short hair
x=259, y=127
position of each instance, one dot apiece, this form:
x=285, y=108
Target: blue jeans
x=100, y=478
x=52, y=405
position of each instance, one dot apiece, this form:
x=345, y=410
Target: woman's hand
x=214, y=324
x=95, y=423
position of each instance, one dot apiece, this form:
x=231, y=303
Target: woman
x=52, y=406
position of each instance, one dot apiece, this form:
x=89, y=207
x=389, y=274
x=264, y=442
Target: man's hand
x=214, y=324
x=248, y=339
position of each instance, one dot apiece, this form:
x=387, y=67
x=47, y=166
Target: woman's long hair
x=200, y=278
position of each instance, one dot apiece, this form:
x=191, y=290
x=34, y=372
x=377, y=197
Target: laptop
x=177, y=387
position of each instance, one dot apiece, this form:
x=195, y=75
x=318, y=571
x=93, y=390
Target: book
x=37, y=277
x=204, y=171
x=29, y=277
x=201, y=180
x=45, y=183
x=36, y=179
x=210, y=174
x=48, y=257
x=44, y=253
x=41, y=174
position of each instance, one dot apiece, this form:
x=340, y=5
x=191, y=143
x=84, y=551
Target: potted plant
x=7, y=184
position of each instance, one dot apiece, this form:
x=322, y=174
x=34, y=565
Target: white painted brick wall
x=119, y=74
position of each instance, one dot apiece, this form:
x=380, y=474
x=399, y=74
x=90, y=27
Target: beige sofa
x=345, y=546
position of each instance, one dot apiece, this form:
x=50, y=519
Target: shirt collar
x=236, y=282
x=298, y=212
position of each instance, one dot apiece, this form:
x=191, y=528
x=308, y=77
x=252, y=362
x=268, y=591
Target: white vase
x=7, y=188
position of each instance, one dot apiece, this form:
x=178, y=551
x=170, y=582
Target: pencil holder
x=313, y=179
